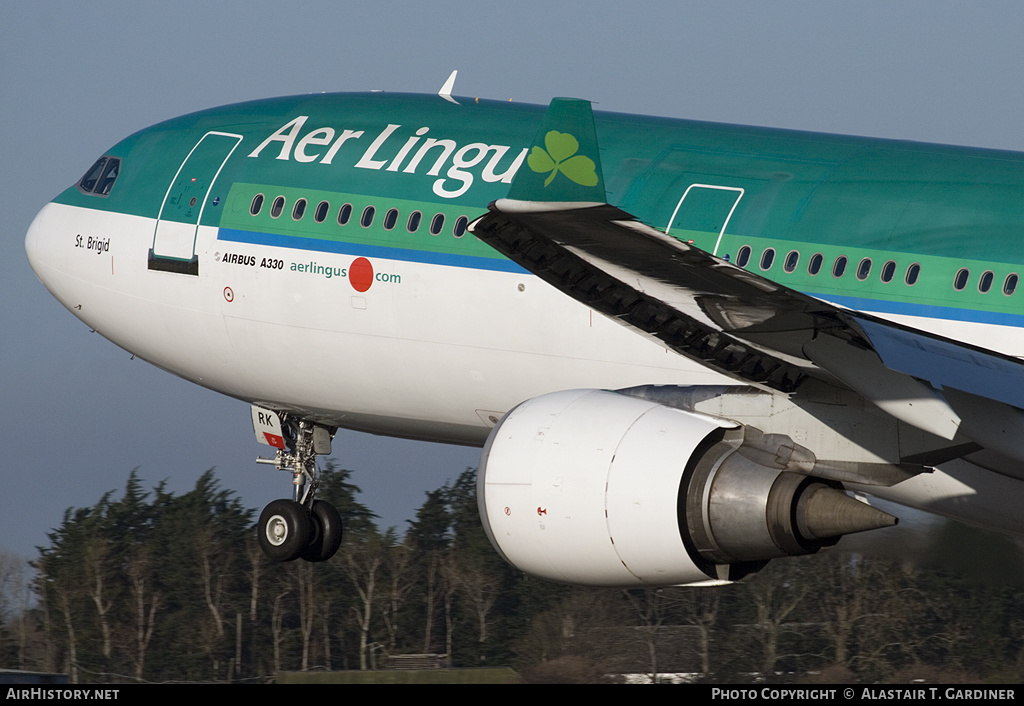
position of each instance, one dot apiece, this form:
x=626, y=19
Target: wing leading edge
x=556, y=224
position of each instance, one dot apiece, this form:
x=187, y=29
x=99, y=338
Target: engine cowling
x=599, y=488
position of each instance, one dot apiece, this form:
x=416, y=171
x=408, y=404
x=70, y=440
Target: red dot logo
x=360, y=274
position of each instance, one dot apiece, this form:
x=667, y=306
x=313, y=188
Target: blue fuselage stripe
x=930, y=311
x=359, y=249
x=882, y=306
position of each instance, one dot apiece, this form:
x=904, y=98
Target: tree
x=401, y=580
x=429, y=539
x=482, y=579
x=13, y=609
x=649, y=606
x=361, y=560
x=775, y=593
x=699, y=607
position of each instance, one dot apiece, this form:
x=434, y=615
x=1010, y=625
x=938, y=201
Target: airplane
x=685, y=348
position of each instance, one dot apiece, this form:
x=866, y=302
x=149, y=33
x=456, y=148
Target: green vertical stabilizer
x=564, y=164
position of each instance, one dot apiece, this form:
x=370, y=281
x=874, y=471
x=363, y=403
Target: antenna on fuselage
x=446, y=89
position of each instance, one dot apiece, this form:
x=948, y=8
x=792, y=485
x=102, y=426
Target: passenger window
x=320, y=214
x=257, y=205
x=460, y=226
x=344, y=214
x=299, y=210
x=767, y=258
x=277, y=207
x=743, y=256
x=814, y=266
x=414, y=221
x=864, y=269
x=913, y=272
x=390, y=218
x=839, y=268
x=367, y=218
x=1010, y=285
x=436, y=223
x=888, y=271
x=985, y=281
x=792, y=260
x=960, y=280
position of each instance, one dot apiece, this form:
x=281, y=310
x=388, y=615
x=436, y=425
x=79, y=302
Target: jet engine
x=604, y=489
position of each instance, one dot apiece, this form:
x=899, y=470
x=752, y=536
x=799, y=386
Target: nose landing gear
x=303, y=527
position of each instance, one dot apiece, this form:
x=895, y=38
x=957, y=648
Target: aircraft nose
x=41, y=248
x=34, y=241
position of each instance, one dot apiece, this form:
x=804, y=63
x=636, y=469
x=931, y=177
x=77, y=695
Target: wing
x=556, y=224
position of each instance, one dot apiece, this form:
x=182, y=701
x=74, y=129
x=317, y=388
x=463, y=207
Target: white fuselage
x=428, y=351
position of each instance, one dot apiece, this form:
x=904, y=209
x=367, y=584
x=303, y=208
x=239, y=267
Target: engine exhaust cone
x=824, y=512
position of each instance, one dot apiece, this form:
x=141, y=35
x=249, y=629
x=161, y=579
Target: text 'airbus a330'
x=685, y=348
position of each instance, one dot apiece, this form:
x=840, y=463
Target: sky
x=76, y=77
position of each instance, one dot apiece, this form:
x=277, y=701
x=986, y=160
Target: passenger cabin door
x=704, y=210
x=174, y=239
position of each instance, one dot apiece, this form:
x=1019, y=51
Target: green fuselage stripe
x=945, y=208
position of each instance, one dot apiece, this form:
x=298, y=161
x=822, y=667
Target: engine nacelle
x=599, y=488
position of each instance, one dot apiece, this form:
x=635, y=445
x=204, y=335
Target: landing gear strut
x=304, y=526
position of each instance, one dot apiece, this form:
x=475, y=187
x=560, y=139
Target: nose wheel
x=284, y=530
x=303, y=527
x=288, y=531
x=325, y=532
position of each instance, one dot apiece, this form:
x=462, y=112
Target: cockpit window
x=100, y=178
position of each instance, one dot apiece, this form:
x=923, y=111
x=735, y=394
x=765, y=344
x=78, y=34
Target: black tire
x=325, y=537
x=283, y=530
